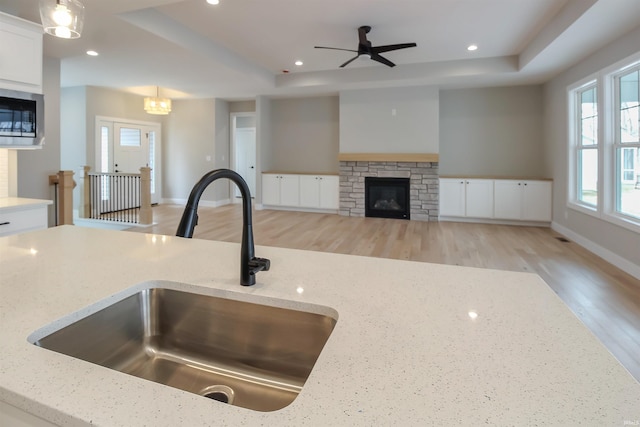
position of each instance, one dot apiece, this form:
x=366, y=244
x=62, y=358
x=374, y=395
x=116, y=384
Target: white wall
x=607, y=240
x=492, y=131
x=392, y=120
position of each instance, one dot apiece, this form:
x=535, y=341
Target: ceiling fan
x=373, y=52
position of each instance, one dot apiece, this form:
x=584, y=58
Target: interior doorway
x=124, y=146
x=243, y=150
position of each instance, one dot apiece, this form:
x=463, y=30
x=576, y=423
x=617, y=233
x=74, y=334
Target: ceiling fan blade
x=380, y=59
x=390, y=47
x=334, y=48
x=350, y=61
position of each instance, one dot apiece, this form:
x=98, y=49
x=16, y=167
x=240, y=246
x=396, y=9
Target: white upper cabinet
x=20, y=54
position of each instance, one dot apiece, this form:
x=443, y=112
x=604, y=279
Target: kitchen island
x=414, y=344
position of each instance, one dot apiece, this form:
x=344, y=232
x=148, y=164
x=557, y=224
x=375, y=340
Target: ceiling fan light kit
x=62, y=18
x=366, y=50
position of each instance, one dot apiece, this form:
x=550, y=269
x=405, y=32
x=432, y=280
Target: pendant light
x=62, y=18
x=157, y=105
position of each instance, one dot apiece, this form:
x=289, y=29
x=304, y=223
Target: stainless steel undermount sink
x=246, y=354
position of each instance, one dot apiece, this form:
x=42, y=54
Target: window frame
x=575, y=146
x=609, y=146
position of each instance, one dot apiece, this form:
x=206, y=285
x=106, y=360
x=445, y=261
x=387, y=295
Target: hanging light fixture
x=157, y=105
x=62, y=18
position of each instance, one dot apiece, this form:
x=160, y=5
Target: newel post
x=64, y=204
x=85, y=194
x=146, y=214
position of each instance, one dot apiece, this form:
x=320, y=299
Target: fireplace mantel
x=388, y=157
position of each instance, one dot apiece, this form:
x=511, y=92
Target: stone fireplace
x=422, y=174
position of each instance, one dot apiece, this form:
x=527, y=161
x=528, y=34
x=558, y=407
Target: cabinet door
x=479, y=198
x=329, y=192
x=536, y=201
x=289, y=190
x=309, y=191
x=452, y=197
x=20, y=56
x=508, y=199
x=270, y=189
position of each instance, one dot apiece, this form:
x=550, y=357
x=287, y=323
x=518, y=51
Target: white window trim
x=573, y=137
x=607, y=168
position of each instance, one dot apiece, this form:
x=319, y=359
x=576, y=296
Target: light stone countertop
x=404, y=350
x=11, y=203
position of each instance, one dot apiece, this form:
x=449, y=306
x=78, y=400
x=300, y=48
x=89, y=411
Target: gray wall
x=492, y=131
x=35, y=166
x=73, y=130
x=112, y=103
x=304, y=134
x=263, y=141
x=609, y=237
x=196, y=141
x=242, y=106
x=392, y=120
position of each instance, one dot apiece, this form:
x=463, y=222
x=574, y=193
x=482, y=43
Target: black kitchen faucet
x=249, y=264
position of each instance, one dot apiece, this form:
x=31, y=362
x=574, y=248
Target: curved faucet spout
x=249, y=264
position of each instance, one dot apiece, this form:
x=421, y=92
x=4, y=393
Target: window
x=604, y=144
x=627, y=143
x=587, y=149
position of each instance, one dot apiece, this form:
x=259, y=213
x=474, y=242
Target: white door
x=245, y=157
x=135, y=146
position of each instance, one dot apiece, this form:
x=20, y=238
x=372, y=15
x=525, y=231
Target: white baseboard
x=604, y=253
x=209, y=204
x=494, y=221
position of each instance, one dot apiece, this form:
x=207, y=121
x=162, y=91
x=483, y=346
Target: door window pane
x=130, y=137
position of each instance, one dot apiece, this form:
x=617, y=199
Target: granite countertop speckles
x=406, y=348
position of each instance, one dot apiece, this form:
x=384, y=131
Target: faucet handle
x=259, y=264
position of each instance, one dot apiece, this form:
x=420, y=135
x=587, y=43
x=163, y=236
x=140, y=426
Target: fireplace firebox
x=387, y=197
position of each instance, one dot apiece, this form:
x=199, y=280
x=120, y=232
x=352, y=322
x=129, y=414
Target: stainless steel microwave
x=21, y=119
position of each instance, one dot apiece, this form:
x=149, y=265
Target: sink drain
x=219, y=392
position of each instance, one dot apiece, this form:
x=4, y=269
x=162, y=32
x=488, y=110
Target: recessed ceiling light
x=213, y=1
x=92, y=53
x=299, y=63
x=472, y=47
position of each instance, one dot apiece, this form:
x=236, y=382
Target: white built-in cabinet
x=496, y=199
x=19, y=215
x=525, y=200
x=20, y=54
x=300, y=191
x=319, y=191
x=466, y=197
x=280, y=190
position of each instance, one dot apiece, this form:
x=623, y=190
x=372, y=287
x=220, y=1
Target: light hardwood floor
x=604, y=297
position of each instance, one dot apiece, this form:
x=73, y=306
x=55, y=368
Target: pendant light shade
x=62, y=18
x=157, y=105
